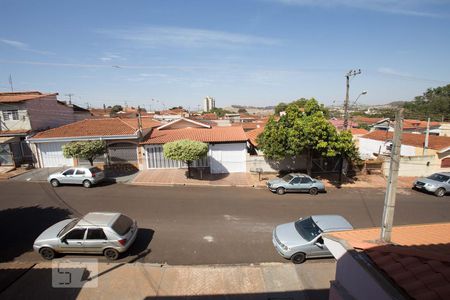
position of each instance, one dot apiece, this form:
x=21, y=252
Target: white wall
x=416, y=166
x=271, y=166
x=23, y=123
x=368, y=146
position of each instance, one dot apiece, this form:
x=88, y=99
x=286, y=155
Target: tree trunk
x=189, y=168
x=91, y=161
x=309, y=163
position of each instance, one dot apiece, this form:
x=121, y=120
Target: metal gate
x=157, y=160
x=123, y=153
x=6, y=157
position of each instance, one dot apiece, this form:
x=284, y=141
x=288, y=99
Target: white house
x=227, y=146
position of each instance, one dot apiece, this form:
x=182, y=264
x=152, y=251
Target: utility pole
x=70, y=97
x=427, y=134
x=389, y=200
x=351, y=73
x=139, y=119
x=11, y=83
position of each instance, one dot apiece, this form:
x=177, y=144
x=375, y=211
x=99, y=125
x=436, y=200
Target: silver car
x=77, y=175
x=302, y=239
x=295, y=182
x=438, y=183
x=97, y=232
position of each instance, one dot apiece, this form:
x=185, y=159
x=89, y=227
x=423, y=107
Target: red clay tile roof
x=339, y=123
x=207, y=135
x=411, y=139
x=252, y=135
x=358, y=131
x=89, y=127
x=22, y=96
x=146, y=122
x=417, y=261
x=367, y=120
x=413, y=124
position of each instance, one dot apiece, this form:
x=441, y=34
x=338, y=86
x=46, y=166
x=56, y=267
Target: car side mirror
x=63, y=240
x=320, y=245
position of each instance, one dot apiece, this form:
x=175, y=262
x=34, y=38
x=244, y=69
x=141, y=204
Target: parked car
x=296, y=182
x=78, y=175
x=438, y=183
x=302, y=239
x=97, y=232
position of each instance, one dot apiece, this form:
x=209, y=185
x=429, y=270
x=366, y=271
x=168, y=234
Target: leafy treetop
x=88, y=150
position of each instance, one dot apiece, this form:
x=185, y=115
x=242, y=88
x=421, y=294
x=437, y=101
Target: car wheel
x=298, y=258
x=280, y=191
x=440, y=192
x=87, y=184
x=111, y=254
x=313, y=191
x=47, y=253
x=54, y=183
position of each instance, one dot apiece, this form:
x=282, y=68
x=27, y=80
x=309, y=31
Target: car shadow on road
x=141, y=244
x=23, y=225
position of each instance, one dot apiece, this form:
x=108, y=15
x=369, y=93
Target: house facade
x=24, y=113
x=416, y=159
x=122, y=137
x=227, y=146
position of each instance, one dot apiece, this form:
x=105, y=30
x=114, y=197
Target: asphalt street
x=196, y=225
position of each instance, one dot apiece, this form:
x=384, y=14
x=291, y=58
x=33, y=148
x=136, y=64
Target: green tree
x=115, y=109
x=88, y=150
x=305, y=131
x=280, y=107
x=242, y=111
x=434, y=103
x=186, y=151
x=220, y=112
x=303, y=104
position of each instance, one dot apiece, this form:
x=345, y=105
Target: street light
x=362, y=93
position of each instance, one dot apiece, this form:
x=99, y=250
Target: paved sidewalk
x=178, y=177
x=173, y=177
x=150, y=281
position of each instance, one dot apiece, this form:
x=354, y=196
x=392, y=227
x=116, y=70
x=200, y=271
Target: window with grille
x=10, y=115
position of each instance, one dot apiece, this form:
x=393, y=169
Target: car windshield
x=122, y=225
x=287, y=177
x=68, y=227
x=307, y=228
x=439, y=177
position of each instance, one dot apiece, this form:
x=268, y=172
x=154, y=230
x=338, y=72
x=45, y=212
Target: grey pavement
x=150, y=281
x=41, y=174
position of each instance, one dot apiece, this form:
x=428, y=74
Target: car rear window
x=94, y=170
x=122, y=225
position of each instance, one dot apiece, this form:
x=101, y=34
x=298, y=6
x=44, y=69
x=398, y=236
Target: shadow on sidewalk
x=320, y=294
x=22, y=225
x=36, y=283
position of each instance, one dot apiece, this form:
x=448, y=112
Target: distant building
x=209, y=103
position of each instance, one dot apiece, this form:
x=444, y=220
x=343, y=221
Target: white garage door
x=228, y=158
x=52, y=155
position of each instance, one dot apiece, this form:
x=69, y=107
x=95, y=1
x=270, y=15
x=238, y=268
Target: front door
x=318, y=248
x=294, y=184
x=95, y=241
x=67, y=176
x=73, y=241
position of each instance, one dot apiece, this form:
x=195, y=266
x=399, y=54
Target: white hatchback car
x=77, y=175
x=104, y=233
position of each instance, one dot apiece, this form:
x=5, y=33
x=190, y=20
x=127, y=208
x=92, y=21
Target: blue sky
x=247, y=52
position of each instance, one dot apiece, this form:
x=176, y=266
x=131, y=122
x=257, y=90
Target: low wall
x=254, y=162
x=416, y=166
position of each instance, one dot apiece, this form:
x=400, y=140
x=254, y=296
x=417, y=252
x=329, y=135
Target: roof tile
x=95, y=127
x=416, y=140
x=208, y=135
x=22, y=96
